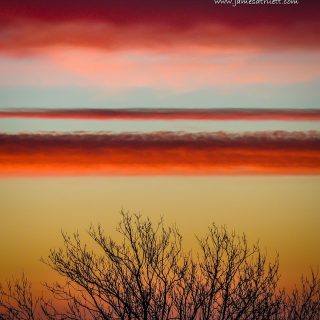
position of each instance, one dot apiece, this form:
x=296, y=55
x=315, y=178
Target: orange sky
x=259, y=178
x=281, y=212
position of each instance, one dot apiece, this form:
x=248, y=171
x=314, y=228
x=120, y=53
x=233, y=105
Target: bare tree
x=134, y=279
x=148, y=275
x=17, y=301
x=304, y=303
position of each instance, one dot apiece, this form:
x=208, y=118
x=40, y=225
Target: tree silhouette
x=17, y=301
x=148, y=275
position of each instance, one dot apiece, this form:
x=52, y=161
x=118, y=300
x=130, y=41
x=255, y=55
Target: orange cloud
x=160, y=154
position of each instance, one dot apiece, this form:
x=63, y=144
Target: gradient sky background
x=153, y=55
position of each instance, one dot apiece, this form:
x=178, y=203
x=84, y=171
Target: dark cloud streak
x=167, y=114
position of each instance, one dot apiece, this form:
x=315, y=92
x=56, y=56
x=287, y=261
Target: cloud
x=114, y=25
x=115, y=72
x=160, y=153
x=216, y=114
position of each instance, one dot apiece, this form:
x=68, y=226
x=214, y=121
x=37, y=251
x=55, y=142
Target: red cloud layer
x=136, y=23
x=160, y=154
x=166, y=114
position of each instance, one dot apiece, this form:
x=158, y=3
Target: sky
x=197, y=111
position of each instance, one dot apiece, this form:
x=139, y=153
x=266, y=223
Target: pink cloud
x=179, y=72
